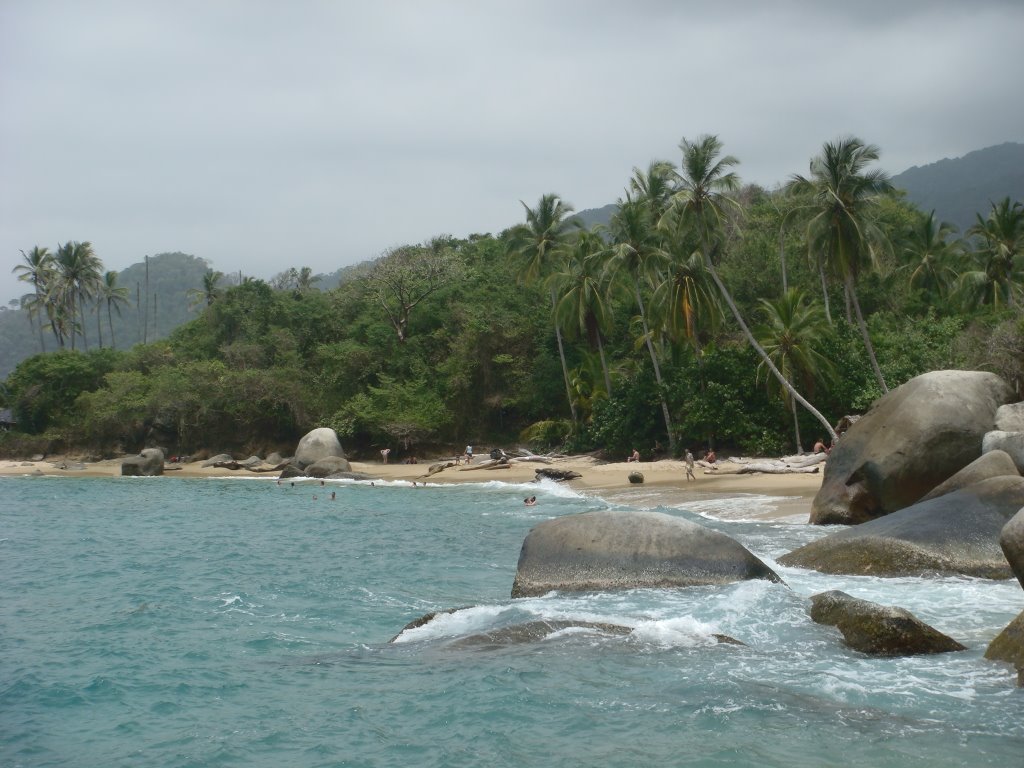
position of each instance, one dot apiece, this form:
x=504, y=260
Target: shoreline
x=784, y=498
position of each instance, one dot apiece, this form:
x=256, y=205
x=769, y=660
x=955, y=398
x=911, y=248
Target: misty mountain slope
x=959, y=188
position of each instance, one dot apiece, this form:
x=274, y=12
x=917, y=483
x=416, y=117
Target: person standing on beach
x=689, y=466
x=384, y=454
x=469, y=454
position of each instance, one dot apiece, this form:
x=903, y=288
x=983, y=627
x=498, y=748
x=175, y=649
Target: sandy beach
x=784, y=497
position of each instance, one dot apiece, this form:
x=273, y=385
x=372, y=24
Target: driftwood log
x=809, y=464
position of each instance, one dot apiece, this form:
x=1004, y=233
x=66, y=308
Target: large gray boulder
x=328, y=466
x=879, y=630
x=315, y=445
x=607, y=550
x=149, y=463
x=1011, y=443
x=1010, y=417
x=1011, y=539
x=993, y=464
x=910, y=441
x=953, y=534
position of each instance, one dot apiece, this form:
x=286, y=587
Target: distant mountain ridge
x=960, y=188
x=956, y=189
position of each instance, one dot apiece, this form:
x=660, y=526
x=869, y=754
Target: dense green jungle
x=701, y=312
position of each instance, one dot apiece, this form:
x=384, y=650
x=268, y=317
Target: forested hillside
x=958, y=189
x=703, y=313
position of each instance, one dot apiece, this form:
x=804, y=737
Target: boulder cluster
x=319, y=454
x=928, y=482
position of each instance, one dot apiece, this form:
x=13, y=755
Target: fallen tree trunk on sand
x=764, y=467
x=486, y=464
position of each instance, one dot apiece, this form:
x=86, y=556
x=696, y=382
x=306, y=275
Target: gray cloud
x=268, y=135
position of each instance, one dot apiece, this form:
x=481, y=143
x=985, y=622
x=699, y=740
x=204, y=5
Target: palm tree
x=583, y=307
x=78, y=271
x=998, y=277
x=38, y=270
x=841, y=233
x=539, y=243
x=636, y=255
x=929, y=251
x=789, y=336
x=115, y=297
x=704, y=183
x=210, y=291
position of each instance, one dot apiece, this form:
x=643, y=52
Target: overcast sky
x=264, y=135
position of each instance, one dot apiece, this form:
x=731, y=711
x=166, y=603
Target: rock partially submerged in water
x=1011, y=540
x=149, y=463
x=532, y=631
x=957, y=533
x=1008, y=645
x=911, y=440
x=605, y=550
x=329, y=466
x=879, y=630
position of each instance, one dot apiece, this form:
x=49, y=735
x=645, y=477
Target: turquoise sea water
x=176, y=622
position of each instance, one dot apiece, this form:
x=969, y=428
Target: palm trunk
x=824, y=291
x=759, y=349
x=866, y=336
x=796, y=427
x=110, y=322
x=782, y=259
x=604, y=366
x=561, y=356
x=81, y=313
x=99, y=326
x=657, y=371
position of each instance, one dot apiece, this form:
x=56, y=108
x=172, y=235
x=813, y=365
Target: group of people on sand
x=710, y=457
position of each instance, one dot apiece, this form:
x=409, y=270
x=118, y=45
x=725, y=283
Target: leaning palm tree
x=930, y=249
x=997, y=279
x=37, y=269
x=583, y=307
x=842, y=233
x=539, y=243
x=705, y=181
x=790, y=334
x=115, y=297
x=635, y=256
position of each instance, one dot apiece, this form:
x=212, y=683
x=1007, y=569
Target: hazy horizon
x=262, y=136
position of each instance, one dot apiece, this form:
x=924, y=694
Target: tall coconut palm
x=842, y=194
x=539, y=242
x=78, y=271
x=37, y=269
x=705, y=181
x=210, y=291
x=636, y=254
x=791, y=333
x=115, y=297
x=583, y=307
x=997, y=280
x=653, y=188
x=930, y=249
